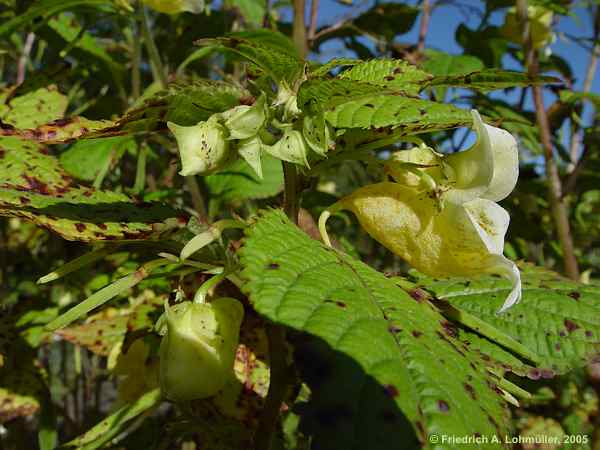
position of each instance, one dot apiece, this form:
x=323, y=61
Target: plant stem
x=587, y=86
x=300, y=28
x=557, y=205
x=269, y=418
x=424, y=26
x=197, y=199
x=290, y=195
x=136, y=57
x=22, y=65
x=156, y=63
x=314, y=11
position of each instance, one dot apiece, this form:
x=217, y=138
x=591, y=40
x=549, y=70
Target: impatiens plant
x=181, y=267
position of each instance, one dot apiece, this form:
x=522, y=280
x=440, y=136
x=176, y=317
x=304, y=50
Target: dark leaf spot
x=443, y=406
x=571, y=326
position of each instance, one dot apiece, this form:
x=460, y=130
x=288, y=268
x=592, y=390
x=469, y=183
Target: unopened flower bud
x=291, y=148
x=203, y=147
x=245, y=121
x=198, y=350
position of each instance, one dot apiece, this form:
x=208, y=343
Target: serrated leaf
x=240, y=182
x=402, y=114
x=443, y=64
x=184, y=103
x=390, y=74
x=35, y=187
x=389, y=358
x=320, y=93
x=324, y=69
x=557, y=319
x=32, y=109
x=267, y=49
x=63, y=130
x=491, y=79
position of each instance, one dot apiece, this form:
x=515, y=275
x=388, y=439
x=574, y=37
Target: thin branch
x=314, y=12
x=587, y=86
x=22, y=65
x=424, y=26
x=277, y=388
x=557, y=205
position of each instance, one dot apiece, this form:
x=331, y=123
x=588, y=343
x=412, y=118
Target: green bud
x=203, y=147
x=289, y=101
x=317, y=134
x=198, y=350
x=245, y=121
x=291, y=148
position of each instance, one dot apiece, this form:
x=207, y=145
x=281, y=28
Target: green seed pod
x=291, y=148
x=203, y=147
x=198, y=350
x=245, y=121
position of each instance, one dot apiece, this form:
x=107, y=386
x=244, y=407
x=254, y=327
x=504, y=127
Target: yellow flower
x=198, y=350
x=440, y=213
x=540, y=26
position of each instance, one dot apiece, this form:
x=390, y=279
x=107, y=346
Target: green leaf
x=403, y=114
x=64, y=31
x=390, y=74
x=323, y=69
x=112, y=425
x=491, y=79
x=99, y=334
x=185, y=103
x=239, y=181
x=379, y=358
x=270, y=51
x=104, y=295
x=32, y=109
x=35, y=187
x=443, y=64
x=42, y=10
x=320, y=93
x=84, y=159
x=557, y=319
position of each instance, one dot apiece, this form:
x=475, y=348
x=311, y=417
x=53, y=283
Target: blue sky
x=447, y=18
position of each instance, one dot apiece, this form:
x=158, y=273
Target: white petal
x=189, y=139
x=506, y=163
x=473, y=168
x=500, y=265
x=490, y=221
